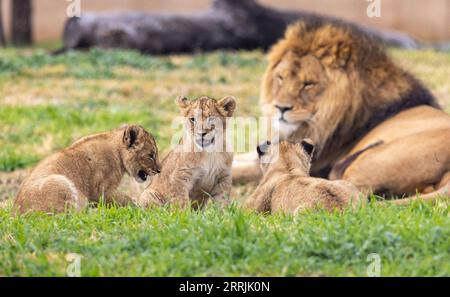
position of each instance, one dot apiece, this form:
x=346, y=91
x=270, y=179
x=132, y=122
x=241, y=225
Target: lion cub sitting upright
x=286, y=185
x=198, y=170
x=88, y=169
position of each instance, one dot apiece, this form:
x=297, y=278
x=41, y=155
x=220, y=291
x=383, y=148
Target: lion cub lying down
x=198, y=170
x=286, y=185
x=91, y=167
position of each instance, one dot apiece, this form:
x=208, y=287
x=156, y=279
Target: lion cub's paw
x=150, y=198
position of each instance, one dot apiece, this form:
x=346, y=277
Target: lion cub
x=286, y=185
x=91, y=167
x=198, y=170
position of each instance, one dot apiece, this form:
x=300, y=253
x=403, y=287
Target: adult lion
x=374, y=124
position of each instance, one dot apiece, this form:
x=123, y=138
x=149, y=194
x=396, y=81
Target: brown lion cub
x=198, y=170
x=88, y=169
x=286, y=185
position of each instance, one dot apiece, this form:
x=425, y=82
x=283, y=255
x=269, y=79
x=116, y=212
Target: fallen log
x=228, y=24
x=21, y=22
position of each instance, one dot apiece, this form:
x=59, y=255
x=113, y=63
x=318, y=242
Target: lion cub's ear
x=182, y=101
x=308, y=146
x=131, y=135
x=227, y=105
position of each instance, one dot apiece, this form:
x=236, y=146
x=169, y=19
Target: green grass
x=413, y=241
x=48, y=102
x=64, y=123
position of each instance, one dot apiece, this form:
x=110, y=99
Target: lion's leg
x=118, y=198
x=445, y=181
x=174, y=195
x=52, y=194
x=260, y=200
x=150, y=197
x=180, y=198
x=179, y=187
x=246, y=168
x=170, y=189
x=443, y=192
x=220, y=194
x=404, y=166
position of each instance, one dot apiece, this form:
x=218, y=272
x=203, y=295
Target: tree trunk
x=21, y=29
x=228, y=24
x=2, y=32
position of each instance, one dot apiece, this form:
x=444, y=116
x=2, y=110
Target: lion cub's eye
x=152, y=156
x=192, y=120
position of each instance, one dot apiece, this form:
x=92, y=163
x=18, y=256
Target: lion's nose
x=202, y=134
x=283, y=109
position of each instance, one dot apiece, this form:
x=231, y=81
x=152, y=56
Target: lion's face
x=205, y=120
x=307, y=84
x=140, y=153
x=298, y=83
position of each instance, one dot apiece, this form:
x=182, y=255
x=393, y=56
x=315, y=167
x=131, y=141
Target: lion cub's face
x=205, y=119
x=286, y=155
x=139, y=153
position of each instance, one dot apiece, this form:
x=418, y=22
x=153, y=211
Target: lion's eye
x=152, y=156
x=308, y=85
x=279, y=79
x=192, y=120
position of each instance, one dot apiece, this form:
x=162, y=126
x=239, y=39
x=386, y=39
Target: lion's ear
x=227, y=105
x=333, y=46
x=297, y=39
x=182, y=101
x=295, y=31
x=131, y=135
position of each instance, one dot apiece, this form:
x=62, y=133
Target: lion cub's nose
x=158, y=168
x=262, y=148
